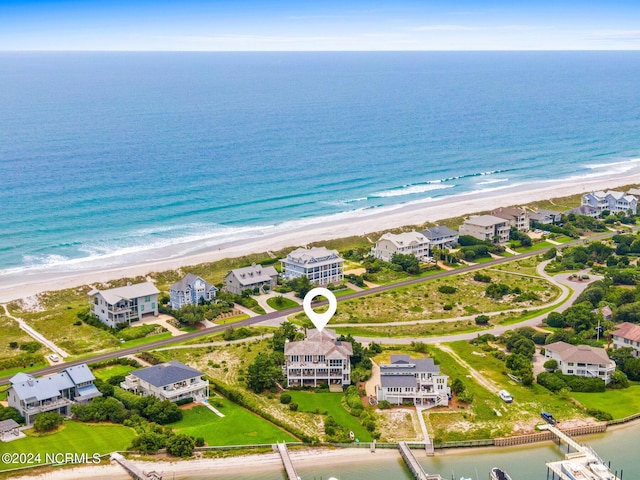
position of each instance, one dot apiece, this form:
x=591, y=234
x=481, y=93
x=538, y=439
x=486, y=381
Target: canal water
x=523, y=463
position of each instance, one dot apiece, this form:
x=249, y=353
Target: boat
x=352, y=435
x=499, y=474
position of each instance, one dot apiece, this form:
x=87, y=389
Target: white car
x=54, y=358
x=506, y=396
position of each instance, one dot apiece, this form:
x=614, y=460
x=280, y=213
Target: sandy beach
x=23, y=284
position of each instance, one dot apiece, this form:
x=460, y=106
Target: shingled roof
x=166, y=373
x=629, y=331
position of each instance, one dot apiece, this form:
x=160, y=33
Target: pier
x=584, y=463
x=286, y=461
x=134, y=471
x=416, y=469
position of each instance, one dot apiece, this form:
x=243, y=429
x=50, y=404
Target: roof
x=434, y=233
x=484, y=220
x=6, y=425
x=253, y=274
x=320, y=343
x=580, y=353
x=188, y=281
x=406, y=364
x=313, y=255
x=398, y=381
x=405, y=238
x=129, y=292
x=80, y=374
x=508, y=212
x=583, y=210
x=27, y=387
x=629, y=331
x=166, y=373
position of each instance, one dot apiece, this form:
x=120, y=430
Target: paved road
x=290, y=311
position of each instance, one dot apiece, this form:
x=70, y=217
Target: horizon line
x=321, y=51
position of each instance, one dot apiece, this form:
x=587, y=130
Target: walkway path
x=486, y=383
x=249, y=312
x=162, y=320
x=213, y=409
x=34, y=334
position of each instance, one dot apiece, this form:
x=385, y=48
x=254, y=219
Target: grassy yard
x=344, y=291
x=145, y=340
x=619, y=403
x=281, y=303
x=11, y=332
x=331, y=403
x=238, y=427
x=427, y=329
x=72, y=437
x=107, y=372
x=534, y=247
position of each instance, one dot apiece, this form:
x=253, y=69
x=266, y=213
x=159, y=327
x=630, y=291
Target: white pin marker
x=320, y=320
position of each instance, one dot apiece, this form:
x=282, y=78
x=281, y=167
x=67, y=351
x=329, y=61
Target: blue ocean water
x=106, y=154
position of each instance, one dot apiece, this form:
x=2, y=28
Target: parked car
x=548, y=418
x=54, y=358
x=506, y=396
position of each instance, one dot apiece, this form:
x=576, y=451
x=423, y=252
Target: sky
x=270, y=25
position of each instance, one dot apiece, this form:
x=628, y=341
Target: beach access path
x=282, y=314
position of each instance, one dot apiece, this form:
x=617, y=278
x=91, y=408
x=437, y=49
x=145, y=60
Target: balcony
x=47, y=406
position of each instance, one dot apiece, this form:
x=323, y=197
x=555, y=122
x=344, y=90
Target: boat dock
x=134, y=471
x=286, y=461
x=584, y=463
x=416, y=469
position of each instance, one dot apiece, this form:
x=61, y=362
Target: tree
x=581, y=317
x=148, y=442
x=621, y=356
x=482, y=320
x=629, y=312
x=263, y=373
x=556, y=320
x=47, y=421
x=524, y=347
x=457, y=386
x=551, y=365
x=632, y=369
x=517, y=362
x=618, y=380
x=407, y=262
x=180, y=445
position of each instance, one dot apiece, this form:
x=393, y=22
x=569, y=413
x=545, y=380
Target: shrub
x=293, y=406
x=46, y=422
x=384, y=405
x=481, y=277
x=447, y=289
x=599, y=414
x=199, y=442
x=497, y=290
x=31, y=347
x=285, y=398
x=551, y=365
x=180, y=445
x=184, y=401
x=482, y=320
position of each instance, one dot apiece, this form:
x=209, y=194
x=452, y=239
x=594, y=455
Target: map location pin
x=320, y=320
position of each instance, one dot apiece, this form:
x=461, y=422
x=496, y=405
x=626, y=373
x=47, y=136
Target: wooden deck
x=286, y=461
x=416, y=469
x=134, y=471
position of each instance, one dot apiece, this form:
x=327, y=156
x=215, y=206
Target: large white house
x=627, y=335
x=486, y=227
x=55, y=393
x=440, y=236
x=517, y=217
x=612, y=200
x=124, y=304
x=319, y=264
x=581, y=360
x=190, y=290
x=171, y=381
x=318, y=359
x=247, y=278
x=415, y=381
x=407, y=243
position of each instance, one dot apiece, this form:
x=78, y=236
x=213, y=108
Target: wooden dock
x=416, y=469
x=134, y=471
x=286, y=461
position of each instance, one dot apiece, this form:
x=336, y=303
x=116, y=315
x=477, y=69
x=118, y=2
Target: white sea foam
x=489, y=182
x=409, y=190
x=618, y=167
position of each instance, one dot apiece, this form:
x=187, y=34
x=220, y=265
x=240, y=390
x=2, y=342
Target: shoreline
x=22, y=284
x=304, y=457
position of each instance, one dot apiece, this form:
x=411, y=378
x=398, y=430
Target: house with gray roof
x=190, y=290
x=581, y=360
x=238, y=280
x=171, y=381
x=318, y=359
x=586, y=210
x=55, y=393
x=413, y=381
x=319, y=264
x=406, y=243
x=611, y=200
x=486, y=227
x=546, y=217
x=124, y=304
x=440, y=236
x=517, y=217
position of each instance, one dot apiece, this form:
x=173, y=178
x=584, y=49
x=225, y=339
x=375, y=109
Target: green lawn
x=238, y=427
x=111, y=371
x=145, y=340
x=534, y=247
x=74, y=437
x=344, y=291
x=281, y=303
x=332, y=404
x=619, y=403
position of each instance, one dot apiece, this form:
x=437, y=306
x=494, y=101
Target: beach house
x=319, y=264
x=412, y=381
x=486, y=227
x=440, y=237
x=586, y=210
x=627, y=335
x=171, y=381
x=406, y=243
x=238, y=280
x=517, y=217
x=612, y=200
x=581, y=360
x=55, y=393
x=318, y=359
x=546, y=217
x=190, y=290
x=124, y=304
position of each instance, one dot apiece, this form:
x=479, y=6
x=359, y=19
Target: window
x=153, y=305
x=295, y=358
x=147, y=298
x=142, y=308
x=308, y=358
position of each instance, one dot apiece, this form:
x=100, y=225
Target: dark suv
x=548, y=418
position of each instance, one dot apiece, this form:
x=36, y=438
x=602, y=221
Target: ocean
x=112, y=156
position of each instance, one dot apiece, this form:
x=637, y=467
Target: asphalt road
x=272, y=315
